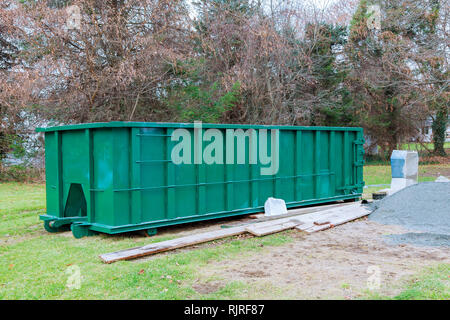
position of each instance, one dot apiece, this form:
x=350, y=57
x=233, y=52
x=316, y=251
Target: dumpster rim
x=132, y=124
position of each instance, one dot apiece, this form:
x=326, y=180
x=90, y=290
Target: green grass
x=413, y=146
x=381, y=174
x=423, y=150
x=20, y=206
x=419, y=147
x=432, y=283
x=37, y=269
x=34, y=264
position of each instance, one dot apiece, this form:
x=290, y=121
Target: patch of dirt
x=207, y=288
x=252, y=273
x=336, y=263
x=38, y=230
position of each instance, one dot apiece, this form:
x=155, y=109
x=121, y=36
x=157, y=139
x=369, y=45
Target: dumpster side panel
x=102, y=186
x=53, y=183
x=121, y=176
x=286, y=186
x=338, y=161
x=314, y=165
x=75, y=172
x=152, y=163
x=74, y=158
x=306, y=166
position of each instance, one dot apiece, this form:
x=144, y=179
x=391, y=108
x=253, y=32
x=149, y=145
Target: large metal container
x=121, y=176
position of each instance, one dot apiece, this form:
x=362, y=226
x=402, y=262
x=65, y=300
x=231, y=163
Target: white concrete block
x=274, y=207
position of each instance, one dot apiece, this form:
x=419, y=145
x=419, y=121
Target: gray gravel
x=419, y=239
x=424, y=207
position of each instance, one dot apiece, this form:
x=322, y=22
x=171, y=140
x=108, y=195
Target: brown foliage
x=120, y=56
x=127, y=57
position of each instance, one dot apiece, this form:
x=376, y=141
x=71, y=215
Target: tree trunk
x=439, y=127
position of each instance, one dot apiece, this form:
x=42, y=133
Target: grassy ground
x=419, y=147
x=432, y=283
x=37, y=265
x=378, y=177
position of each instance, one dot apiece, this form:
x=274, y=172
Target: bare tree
x=389, y=86
x=113, y=63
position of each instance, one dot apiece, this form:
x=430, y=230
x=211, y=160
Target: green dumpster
x=125, y=176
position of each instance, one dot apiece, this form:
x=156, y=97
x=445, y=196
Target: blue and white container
x=405, y=169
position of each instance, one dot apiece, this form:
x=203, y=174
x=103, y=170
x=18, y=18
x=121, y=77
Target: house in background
x=425, y=135
x=426, y=131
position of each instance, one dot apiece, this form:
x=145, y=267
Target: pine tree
x=385, y=88
x=325, y=42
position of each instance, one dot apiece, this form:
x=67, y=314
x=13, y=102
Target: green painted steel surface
x=117, y=177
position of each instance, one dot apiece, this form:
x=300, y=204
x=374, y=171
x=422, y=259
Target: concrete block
x=274, y=207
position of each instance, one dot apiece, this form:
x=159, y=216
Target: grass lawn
x=432, y=283
x=418, y=147
x=375, y=175
x=35, y=264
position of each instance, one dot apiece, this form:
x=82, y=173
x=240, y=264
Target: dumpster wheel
x=151, y=232
x=80, y=231
x=49, y=227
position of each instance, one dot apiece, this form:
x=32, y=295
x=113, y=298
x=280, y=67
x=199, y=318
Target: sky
x=321, y=4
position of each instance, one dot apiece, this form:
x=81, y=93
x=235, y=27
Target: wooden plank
x=183, y=242
x=170, y=244
x=336, y=220
x=345, y=219
x=317, y=228
x=304, y=226
x=295, y=211
x=304, y=222
x=276, y=227
x=260, y=217
x=321, y=222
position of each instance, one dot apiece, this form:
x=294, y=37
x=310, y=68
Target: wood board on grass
x=186, y=241
x=303, y=222
x=170, y=244
x=260, y=217
x=336, y=219
x=269, y=229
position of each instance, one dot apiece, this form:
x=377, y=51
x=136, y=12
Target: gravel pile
x=424, y=207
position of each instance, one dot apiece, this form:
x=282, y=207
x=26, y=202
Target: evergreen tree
x=325, y=43
x=385, y=90
x=432, y=60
